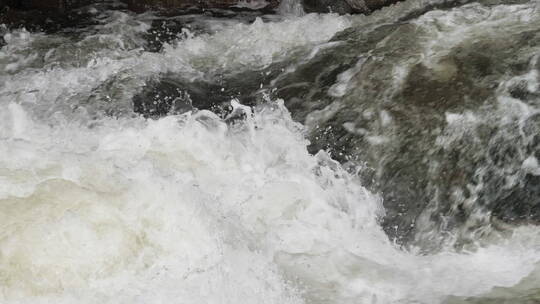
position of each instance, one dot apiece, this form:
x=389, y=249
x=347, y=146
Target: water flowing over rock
x=141, y=5
x=320, y=6
x=405, y=120
x=345, y=6
x=241, y=156
x=434, y=131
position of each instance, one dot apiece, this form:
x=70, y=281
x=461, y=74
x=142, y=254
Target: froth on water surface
x=190, y=209
x=119, y=185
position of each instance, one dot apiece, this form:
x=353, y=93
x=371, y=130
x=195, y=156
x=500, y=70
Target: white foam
x=258, y=44
x=188, y=209
x=443, y=30
x=340, y=88
x=74, y=68
x=530, y=165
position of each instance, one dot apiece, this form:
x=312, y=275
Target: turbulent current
x=236, y=157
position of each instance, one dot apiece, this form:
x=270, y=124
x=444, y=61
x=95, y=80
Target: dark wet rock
x=327, y=6
x=35, y=4
x=2, y=40
x=46, y=20
x=174, y=7
x=162, y=98
x=47, y=5
x=172, y=94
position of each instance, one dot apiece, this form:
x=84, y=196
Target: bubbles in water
x=193, y=208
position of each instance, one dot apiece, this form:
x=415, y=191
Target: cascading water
x=301, y=158
x=291, y=7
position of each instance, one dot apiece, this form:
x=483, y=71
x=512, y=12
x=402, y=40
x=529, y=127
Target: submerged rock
x=446, y=138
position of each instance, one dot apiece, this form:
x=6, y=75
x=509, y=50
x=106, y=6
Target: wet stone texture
x=142, y=5
x=136, y=5
x=45, y=4
x=174, y=6
x=172, y=94
x=48, y=16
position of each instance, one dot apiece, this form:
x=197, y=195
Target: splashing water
x=99, y=205
x=291, y=7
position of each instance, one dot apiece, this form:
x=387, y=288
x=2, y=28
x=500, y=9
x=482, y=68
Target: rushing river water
x=235, y=157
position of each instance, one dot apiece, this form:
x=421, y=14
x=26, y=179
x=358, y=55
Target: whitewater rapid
x=99, y=205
